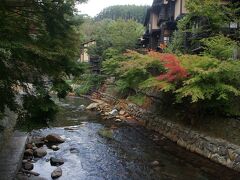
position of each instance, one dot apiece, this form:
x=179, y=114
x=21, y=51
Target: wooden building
x=93, y=61
x=201, y=27
x=84, y=56
x=161, y=21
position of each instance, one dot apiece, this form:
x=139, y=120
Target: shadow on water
x=127, y=155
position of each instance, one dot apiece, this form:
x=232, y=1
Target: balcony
x=171, y=25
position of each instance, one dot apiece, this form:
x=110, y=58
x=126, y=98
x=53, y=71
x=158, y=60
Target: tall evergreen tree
x=126, y=12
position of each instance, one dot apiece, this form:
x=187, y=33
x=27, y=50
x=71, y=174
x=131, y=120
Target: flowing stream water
x=129, y=154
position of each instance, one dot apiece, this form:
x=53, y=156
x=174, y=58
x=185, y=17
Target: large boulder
x=56, y=162
x=40, y=152
x=54, y=138
x=92, y=106
x=56, y=173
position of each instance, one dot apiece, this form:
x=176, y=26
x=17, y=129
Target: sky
x=93, y=7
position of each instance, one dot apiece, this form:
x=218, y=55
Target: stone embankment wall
x=218, y=150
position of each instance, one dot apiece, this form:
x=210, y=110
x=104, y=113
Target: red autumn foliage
x=174, y=70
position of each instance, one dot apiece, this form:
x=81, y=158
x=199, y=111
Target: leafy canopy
x=38, y=46
x=115, y=34
x=193, y=83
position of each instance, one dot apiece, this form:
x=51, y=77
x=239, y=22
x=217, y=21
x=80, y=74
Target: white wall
x=178, y=8
x=154, y=21
x=84, y=56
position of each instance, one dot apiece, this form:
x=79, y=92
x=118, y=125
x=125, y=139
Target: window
x=166, y=39
x=233, y=25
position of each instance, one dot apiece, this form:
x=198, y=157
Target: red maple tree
x=174, y=70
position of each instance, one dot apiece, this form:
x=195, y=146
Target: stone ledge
x=217, y=150
x=11, y=155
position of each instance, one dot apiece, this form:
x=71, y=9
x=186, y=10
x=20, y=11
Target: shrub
x=156, y=85
x=41, y=108
x=177, y=44
x=110, y=53
x=111, y=65
x=131, y=69
x=174, y=70
x=200, y=84
x=87, y=83
x=211, y=82
x=220, y=47
x=155, y=68
x=134, y=59
x=131, y=79
x=138, y=99
x=196, y=85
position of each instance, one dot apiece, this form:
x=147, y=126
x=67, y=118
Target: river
x=129, y=154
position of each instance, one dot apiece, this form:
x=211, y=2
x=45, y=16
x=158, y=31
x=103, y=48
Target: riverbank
x=99, y=146
x=216, y=149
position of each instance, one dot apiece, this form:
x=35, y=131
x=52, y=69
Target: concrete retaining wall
x=7, y=125
x=11, y=155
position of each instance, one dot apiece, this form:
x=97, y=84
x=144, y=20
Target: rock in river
x=28, y=152
x=28, y=166
x=56, y=173
x=155, y=163
x=54, y=138
x=114, y=112
x=118, y=120
x=82, y=107
x=40, y=152
x=38, y=141
x=29, y=146
x=106, y=133
x=74, y=150
x=56, y=162
x=55, y=148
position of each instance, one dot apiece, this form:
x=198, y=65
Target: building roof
x=155, y=7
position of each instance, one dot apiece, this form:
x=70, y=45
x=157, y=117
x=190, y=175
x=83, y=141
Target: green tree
x=212, y=18
x=124, y=34
x=118, y=35
x=126, y=12
x=38, y=46
x=219, y=46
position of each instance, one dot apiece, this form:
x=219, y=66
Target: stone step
x=11, y=155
